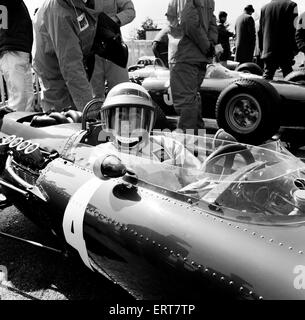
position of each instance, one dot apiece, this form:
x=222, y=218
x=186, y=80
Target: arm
x=126, y=12
x=251, y=29
x=67, y=47
x=292, y=19
x=261, y=31
x=300, y=33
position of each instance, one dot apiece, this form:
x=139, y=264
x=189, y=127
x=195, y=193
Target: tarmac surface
x=38, y=274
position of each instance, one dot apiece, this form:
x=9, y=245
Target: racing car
x=244, y=104
x=235, y=229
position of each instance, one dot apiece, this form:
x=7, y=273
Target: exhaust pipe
x=4, y=144
x=33, y=155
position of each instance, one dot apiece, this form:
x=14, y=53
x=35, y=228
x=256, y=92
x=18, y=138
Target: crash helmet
x=128, y=113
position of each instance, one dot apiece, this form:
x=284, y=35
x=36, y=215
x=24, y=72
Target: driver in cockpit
x=128, y=113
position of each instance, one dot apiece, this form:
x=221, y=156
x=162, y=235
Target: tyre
x=250, y=67
x=297, y=76
x=249, y=110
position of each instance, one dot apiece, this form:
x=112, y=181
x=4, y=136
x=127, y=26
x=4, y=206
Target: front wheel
x=248, y=109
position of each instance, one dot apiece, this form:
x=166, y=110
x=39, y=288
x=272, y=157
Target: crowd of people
x=71, y=72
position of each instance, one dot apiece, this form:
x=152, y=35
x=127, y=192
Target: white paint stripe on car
x=74, y=217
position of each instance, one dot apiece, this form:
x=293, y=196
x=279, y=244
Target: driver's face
x=128, y=121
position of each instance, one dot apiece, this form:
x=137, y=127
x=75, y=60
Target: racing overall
x=179, y=166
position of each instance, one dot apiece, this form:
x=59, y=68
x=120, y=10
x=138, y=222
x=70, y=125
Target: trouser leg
x=185, y=81
x=106, y=70
x=17, y=73
x=98, y=78
x=55, y=95
x=115, y=74
x=269, y=69
x=286, y=67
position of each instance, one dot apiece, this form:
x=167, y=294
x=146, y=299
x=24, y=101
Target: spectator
x=15, y=55
x=245, y=36
x=277, y=36
x=300, y=33
x=160, y=45
x=195, y=51
x=122, y=12
x=173, y=14
x=64, y=32
x=224, y=36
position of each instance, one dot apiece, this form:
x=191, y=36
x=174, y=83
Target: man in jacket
x=122, y=12
x=64, y=33
x=245, y=36
x=195, y=51
x=277, y=36
x=16, y=40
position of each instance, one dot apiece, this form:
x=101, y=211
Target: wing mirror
x=112, y=167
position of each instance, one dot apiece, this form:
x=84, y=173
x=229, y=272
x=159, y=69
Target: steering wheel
x=229, y=151
x=91, y=111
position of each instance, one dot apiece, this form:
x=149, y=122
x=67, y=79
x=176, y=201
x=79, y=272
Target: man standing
x=195, y=50
x=15, y=55
x=122, y=12
x=224, y=36
x=277, y=36
x=245, y=36
x=64, y=34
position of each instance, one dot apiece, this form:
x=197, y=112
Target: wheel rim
x=243, y=113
